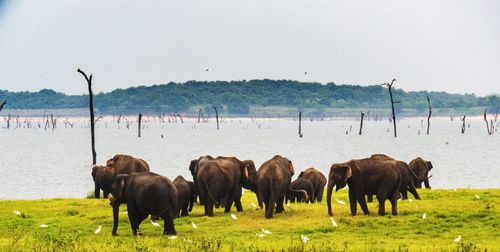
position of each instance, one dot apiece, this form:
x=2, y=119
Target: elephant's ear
x=429, y=165
x=290, y=167
x=110, y=163
x=94, y=170
x=343, y=173
x=110, y=169
x=245, y=171
x=192, y=166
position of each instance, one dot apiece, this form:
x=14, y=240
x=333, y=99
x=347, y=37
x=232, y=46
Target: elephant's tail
x=272, y=201
x=205, y=186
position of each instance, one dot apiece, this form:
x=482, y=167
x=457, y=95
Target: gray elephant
x=421, y=168
x=365, y=177
x=103, y=177
x=317, y=179
x=144, y=193
x=274, y=179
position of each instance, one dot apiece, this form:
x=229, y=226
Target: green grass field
x=72, y=222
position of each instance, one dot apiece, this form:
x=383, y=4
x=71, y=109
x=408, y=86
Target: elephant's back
x=313, y=174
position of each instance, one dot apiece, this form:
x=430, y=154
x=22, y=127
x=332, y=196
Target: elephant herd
x=219, y=182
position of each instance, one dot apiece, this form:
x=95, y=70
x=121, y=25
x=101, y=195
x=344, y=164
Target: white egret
x=98, y=230
x=265, y=231
x=424, y=216
x=410, y=200
x=253, y=204
x=194, y=225
x=304, y=238
x=477, y=196
x=458, y=239
x=17, y=212
x=43, y=226
x=155, y=224
x=172, y=237
x=340, y=201
x=334, y=223
x=260, y=235
x=233, y=216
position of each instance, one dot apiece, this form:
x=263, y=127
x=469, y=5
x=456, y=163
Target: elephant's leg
x=404, y=191
x=427, y=185
x=353, y=202
x=381, y=203
x=369, y=198
x=360, y=195
x=97, y=191
x=231, y=197
x=319, y=196
x=279, y=204
x=185, y=211
x=412, y=190
x=106, y=194
x=135, y=218
x=237, y=201
x=209, y=206
x=394, y=203
x=168, y=225
x=270, y=206
x=418, y=183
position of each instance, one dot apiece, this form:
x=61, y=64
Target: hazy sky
x=451, y=45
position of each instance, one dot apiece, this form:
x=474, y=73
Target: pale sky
x=448, y=45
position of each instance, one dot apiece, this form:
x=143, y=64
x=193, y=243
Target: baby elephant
x=301, y=189
x=186, y=196
x=144, y=193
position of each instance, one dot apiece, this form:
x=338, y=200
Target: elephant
x=186, y=196
x=103, y=177
x=125, y=164
x=300, y=189
x=274, y=179
x=144, y=193
x=223, y=178
x=365, y=176
x=407, y=176
x=193, y=168
x=421, y=167
x=318, y=181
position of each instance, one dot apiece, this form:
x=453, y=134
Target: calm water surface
x=47, y=164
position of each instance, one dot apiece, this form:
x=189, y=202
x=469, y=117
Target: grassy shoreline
x=449, y=213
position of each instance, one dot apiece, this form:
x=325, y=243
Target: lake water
x=45, y=164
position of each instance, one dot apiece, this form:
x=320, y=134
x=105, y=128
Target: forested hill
x=244, y=97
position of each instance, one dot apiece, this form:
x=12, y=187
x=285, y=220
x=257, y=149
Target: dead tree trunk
x=361, y=124
x=389, y=87
x=217, y=117
x=139, y=126
x=429, y=116
x=91, y=109
x=463, y=124
x=487, y=125
x=3, y=104
x=300, y=124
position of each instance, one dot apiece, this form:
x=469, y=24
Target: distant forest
x=247, y=97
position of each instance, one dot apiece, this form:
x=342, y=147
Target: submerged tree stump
x=389, y=87
x=91, y=109
x=361, y=123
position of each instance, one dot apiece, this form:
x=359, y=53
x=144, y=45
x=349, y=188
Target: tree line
x=238, y=97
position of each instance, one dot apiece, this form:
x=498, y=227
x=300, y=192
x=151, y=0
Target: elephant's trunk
x=329, y=197
x=116, y=208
